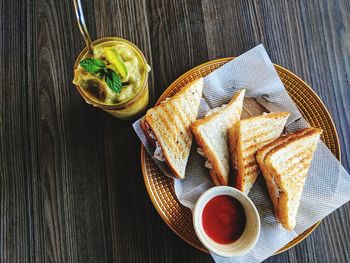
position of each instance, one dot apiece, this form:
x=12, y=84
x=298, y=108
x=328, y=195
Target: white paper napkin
x=327, y=186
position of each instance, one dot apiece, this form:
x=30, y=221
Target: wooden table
x=71, y=182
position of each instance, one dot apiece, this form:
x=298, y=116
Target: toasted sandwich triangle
x=246, y=138
x=285, y=164
x=170, y=122
x=211, y=135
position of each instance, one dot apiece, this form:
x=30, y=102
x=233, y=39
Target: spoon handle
x=82, y=26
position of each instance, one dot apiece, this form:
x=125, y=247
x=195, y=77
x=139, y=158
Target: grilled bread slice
x=246, y=138
x=168, y=126
x=284, y=164
x=211, y=135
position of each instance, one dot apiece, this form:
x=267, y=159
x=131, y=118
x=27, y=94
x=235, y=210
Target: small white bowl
x=251, y=232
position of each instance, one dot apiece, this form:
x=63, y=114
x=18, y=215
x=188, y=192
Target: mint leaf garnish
x=93, y=65
x=97, y=67
x=113, y=81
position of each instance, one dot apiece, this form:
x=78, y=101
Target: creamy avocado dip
x=125, y=62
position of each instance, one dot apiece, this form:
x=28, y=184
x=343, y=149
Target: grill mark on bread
x=252, y=134
x=183, y=119
x=261, y=137
x=164, y=128
x=186, y=108
x=252, y=169
x=297, y=153
x=288, y=160
x=249, y=161
x=171, y=129
x=260, y=122
x=170, y=119
x=185, y=136
x=294, y=159
x=251, y=150
x=253, y=143
x=302, y=165
x=281, y=140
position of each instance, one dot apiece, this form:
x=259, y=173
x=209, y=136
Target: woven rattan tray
x=161, y=189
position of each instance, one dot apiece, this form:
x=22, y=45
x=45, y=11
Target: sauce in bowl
x=224, y=219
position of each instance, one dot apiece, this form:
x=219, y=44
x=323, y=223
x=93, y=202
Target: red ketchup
x=224, y=219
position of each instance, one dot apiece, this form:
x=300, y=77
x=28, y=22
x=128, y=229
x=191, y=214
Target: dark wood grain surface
x=71, y=188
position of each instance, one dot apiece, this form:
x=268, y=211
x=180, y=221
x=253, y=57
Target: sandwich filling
x=158, y=153
x=276, y=187
x=215, y=110
x=207, y=162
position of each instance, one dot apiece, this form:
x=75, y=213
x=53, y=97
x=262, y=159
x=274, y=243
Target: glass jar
x=132, y=106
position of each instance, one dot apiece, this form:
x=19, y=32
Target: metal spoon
x=82, y=26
